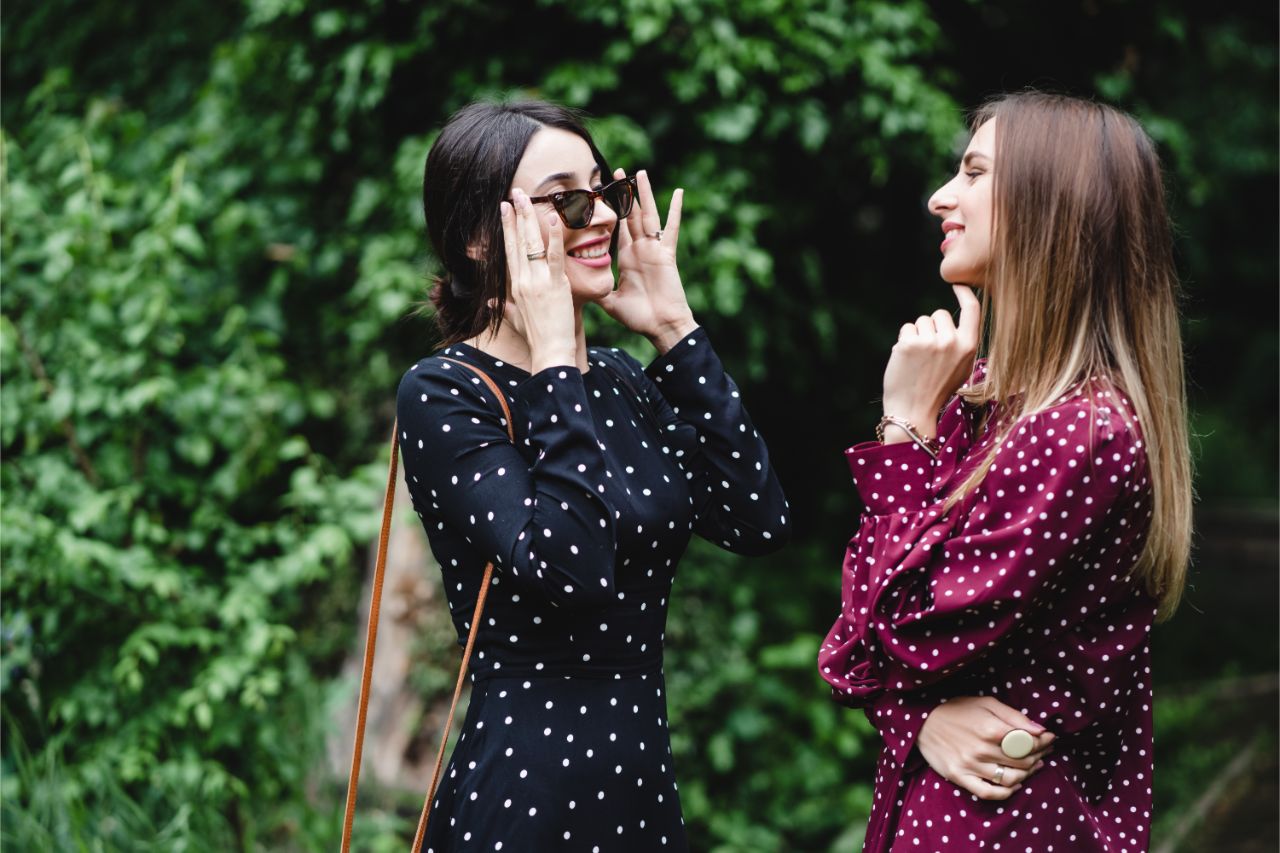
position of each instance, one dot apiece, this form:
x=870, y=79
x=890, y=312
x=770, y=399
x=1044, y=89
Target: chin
x=957, y=274
x=592, y=287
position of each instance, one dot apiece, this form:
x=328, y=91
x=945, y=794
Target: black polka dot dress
x=565, y=744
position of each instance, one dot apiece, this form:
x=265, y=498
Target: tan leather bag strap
x=371, y=640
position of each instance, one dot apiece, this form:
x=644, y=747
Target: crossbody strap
x=371, y=640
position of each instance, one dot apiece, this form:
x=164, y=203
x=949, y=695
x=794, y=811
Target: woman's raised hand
x=960, y=739
x=540, y=303
x=650, y=297
x=932, y=358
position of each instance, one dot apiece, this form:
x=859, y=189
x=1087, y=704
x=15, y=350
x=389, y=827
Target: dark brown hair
x=467, y=175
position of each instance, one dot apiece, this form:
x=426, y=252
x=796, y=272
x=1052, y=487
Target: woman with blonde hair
x=1027, y=517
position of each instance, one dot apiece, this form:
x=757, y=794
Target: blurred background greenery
x=212, y=252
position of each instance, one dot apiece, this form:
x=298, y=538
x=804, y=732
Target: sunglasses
x=576, y=207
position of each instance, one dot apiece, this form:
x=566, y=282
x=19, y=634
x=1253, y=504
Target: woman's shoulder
x=446, y=375
x=1092, y=415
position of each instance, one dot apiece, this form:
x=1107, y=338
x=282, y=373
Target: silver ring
x=657, y=235
x=999, y=777
x=536, y=256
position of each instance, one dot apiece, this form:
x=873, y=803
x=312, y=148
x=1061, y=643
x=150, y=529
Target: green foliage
x=211, y=243
x=765, y=763
x=167, y=522
x=1192, y=755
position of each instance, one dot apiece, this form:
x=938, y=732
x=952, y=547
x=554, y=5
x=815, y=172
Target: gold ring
x=537, y=256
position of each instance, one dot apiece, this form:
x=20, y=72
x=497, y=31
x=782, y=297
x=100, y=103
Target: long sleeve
x=738, y=501
x=929, y=596
x=549, y=524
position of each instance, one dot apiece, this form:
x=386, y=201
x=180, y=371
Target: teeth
x=594, y=252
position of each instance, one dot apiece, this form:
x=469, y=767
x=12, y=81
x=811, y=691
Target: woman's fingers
x=555, y=249
x=983, y=789
x=1013, y=718
x=1010, y=777
x=925, y=327
x=627, y=229
x=530, y=234
x=671, y=233
x=1039, y=756
x=624, y=232
x=942, y=321
x=989, y=756
x=969, y=327
x=907, y=331
x=632, y=226
x=510, y=239
x=648, y=205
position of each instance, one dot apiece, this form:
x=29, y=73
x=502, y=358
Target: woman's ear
x=474, y=250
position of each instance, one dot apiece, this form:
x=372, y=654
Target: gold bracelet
x=928, y=445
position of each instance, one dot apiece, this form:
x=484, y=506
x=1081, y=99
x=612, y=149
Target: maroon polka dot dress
x=1022, y=592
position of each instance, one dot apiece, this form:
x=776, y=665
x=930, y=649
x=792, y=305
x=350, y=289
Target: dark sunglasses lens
x=619, y=195
x=575, y=207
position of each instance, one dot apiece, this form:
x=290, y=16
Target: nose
x=603, y=213
x=943, y=201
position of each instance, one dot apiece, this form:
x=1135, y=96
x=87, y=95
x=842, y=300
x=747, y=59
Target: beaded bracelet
x=928, y=445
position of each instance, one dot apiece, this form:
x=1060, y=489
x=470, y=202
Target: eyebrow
x=562, y=176
x=973, y=155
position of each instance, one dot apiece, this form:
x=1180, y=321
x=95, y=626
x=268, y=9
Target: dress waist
x=613, y=670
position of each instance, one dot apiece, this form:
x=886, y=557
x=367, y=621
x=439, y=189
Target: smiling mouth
x=599, y=250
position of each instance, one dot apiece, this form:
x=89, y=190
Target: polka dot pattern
x=565, y=743
x=1021, y=592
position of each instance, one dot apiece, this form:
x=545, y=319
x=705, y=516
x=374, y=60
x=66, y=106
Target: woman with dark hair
x=586, y=513
x=1015, y=549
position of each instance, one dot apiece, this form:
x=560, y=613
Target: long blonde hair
x=1082, y=284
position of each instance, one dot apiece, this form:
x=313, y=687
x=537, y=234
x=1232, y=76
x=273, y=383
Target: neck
x=509, y=345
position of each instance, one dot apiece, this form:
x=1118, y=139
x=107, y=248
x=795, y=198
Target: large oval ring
x=537, y=256
x=1018, y=743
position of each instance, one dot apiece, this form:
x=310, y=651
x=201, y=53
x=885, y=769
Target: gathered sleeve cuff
x=891, y=478
x=898, y=717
